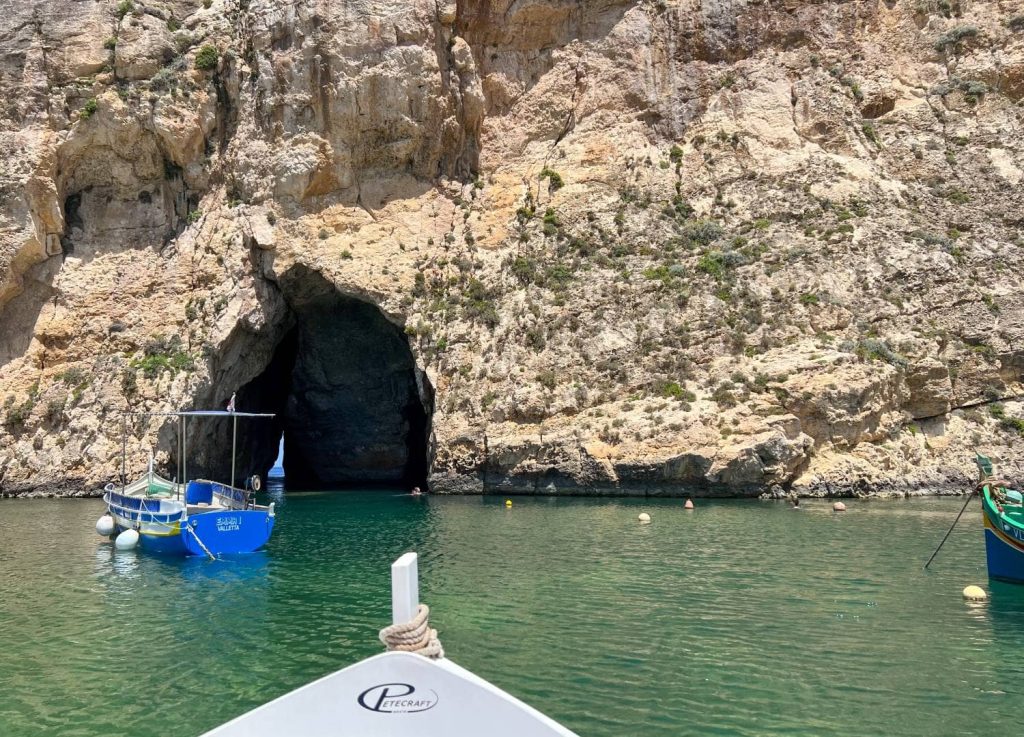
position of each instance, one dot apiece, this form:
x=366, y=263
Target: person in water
x=796, y=503
x=416, y=491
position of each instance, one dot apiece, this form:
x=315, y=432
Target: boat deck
x=202, y=508
x=1014, y=512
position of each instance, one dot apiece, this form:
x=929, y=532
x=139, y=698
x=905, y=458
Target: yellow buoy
x=508, y=502
x=644, y=518
x=975, y=593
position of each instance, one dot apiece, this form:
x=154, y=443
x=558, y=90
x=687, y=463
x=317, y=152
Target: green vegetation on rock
x=207, y=58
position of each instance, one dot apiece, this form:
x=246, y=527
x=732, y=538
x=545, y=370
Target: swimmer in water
x=416, y=491
x=796, y=503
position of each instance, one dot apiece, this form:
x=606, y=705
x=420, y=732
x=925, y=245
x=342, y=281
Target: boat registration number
x=229, y=524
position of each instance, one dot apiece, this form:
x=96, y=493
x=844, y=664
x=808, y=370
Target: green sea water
x=740, y=618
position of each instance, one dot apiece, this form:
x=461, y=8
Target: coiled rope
x=415, y=636
x=994, y=483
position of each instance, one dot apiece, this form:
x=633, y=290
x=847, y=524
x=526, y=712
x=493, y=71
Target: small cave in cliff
x=354, y=410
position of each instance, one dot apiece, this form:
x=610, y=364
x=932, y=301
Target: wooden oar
x=964, y=507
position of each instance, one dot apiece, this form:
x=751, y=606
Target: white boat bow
x=397, y=694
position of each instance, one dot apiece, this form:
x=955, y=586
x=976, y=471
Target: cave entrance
x=353, y=409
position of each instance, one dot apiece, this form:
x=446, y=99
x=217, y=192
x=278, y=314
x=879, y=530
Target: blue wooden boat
x=200, y=517
x=1003, y=515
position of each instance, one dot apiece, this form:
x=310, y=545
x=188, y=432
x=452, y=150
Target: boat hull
x=223, y=533
x=1004, y=543
x=161, y=543
x=166, y=527
x=228, y=532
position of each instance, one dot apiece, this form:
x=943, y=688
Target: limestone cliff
x=595, y=246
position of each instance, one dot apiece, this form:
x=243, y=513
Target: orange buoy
x=689, y=504
x=838, y=507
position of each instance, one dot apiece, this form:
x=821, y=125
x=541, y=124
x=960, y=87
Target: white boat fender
x=127, y=540
x=256, y=482
x=975, y=593
x=105, y=525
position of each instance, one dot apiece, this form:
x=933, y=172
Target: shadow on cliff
x=19, y=316
x=353, y=408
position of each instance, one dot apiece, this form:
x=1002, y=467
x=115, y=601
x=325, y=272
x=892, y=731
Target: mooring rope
x=415, y=636
x=994, y=483
x=196, y=536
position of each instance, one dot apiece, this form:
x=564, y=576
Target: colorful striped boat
x=200, y=517
x=1003, y=514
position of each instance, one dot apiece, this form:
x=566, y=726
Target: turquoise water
x=740, y=618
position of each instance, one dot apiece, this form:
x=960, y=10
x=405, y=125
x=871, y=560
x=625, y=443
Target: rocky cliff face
x=632, y=246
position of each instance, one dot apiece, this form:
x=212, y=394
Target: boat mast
x=124, y=449
x=184, y=448
x=234, y=439
x=180, y=477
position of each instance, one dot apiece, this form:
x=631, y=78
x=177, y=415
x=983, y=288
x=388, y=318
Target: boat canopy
x=206, y=413
x=183, y=416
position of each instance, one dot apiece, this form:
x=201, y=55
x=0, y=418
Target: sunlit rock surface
x=600, y=246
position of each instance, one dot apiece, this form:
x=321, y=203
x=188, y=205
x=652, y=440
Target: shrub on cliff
x=554, y=178
x=711, y=264
x=723, y=396
x=552, y=224
x=162, y=354
x=954, y=36
x=1013, y=424
x=703, y=232
x=548, y=379
x=524, y=269
x=673, y=390
x=207, y=58
x=90, y=107
x=55, y=410
x=478, y=304
x=18, y=414
x=874, y=349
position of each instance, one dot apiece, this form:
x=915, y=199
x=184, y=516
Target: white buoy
x=127, y=540
x=105, y=525
x=644, y=518
x=838, y=507
x=975, y=593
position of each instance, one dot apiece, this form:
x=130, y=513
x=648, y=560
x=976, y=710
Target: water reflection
x=738, y=618
x=113, y=565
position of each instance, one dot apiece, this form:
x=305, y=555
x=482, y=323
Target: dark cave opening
x=72, y=221
x=352, y=407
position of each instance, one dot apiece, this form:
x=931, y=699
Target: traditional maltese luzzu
x=198, y=517
x=1003, y=513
